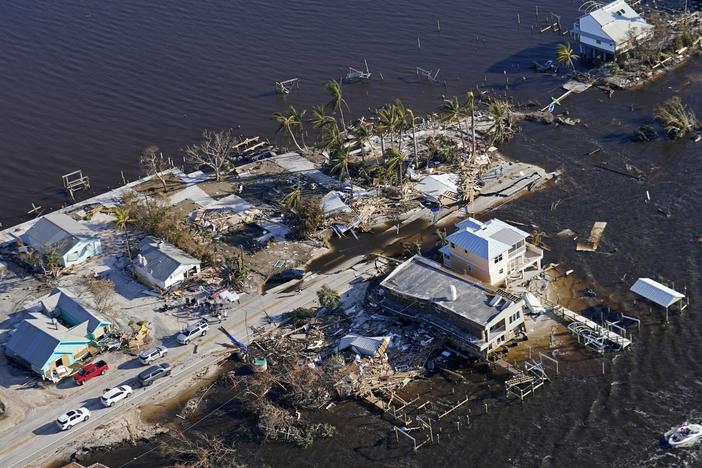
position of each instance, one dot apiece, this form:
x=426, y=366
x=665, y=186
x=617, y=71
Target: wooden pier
x=598, y=330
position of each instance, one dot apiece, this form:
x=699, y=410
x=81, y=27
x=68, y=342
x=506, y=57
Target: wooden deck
x=573, y=317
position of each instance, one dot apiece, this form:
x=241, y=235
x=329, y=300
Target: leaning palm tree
x=451, y=111
x=293, y=200
x=322, y=121
x=122, y=220
x=500, y=129
x=677, y=119
x=289, y=120
x=566, y=56
x=337, y=101
x=340, y=162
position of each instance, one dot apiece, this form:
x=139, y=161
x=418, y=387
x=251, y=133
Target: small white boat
x=533, y=304
x=684, y=436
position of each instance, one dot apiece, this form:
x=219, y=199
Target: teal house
x=56, y=333
x=71, y=240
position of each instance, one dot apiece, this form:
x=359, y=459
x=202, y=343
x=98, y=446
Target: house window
x=453, y=246
x=498, y=259
x=598, y=41
x=502, y=270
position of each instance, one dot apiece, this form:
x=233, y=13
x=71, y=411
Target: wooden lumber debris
x=594, y=240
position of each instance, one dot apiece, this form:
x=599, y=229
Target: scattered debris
x=594, y=240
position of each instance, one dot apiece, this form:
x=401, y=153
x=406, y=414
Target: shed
x=372, y=346
x=656, y=292
x=440, y=188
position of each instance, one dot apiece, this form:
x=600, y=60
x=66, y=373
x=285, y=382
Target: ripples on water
x=85, y=85
x=88, y=84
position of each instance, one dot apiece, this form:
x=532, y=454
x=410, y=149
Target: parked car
x=289, y=274
x=193, y=331
x=154, y=373
x=71, y=418
x=151, y=354
x=113, y=395
x=90, y=371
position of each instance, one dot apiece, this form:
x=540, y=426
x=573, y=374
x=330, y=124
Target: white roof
x=486, y=240
x=618, y=20
x=194, y=194
x=656, y=292
x=231, y=202
x=434, y=186
x=332, y=203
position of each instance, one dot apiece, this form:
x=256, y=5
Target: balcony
x=533, y=254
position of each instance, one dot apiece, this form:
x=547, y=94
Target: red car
x=90, y=371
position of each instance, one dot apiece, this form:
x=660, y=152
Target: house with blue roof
x=56, y=332
x=491, y=252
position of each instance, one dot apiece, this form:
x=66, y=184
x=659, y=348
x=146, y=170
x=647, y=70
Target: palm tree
x=363, y=132
x=566, y=56
x=340, y=162
x=411, y=118
x=470, y=108
x=499, y=111
x=122, y=220
x=288, y=121
x=337, y=102
x=399, y=117
x=678, y=120
x=393, y=165
x=293, y=200
x=322, y=121
x=451, y=111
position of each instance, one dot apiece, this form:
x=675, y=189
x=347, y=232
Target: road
x=32, y=440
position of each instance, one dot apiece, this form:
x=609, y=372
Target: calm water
x=85, y=85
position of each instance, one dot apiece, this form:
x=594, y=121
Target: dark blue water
x=86, y=84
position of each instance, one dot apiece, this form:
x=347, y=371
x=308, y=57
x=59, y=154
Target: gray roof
x=486, y=240
x=59, y=231
x=163, y=259
x=364, y=345
x=618, y=20
x=427, y=281
x=656, y=292
x=72, y=311
x=37, y=337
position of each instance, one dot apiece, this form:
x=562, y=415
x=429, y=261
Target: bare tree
x=153, y=163
x=199, y=450
x=103, y=291
x=213, y=151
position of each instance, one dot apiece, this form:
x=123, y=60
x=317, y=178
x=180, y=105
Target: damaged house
x=491, y=252
x=478, y=320
x=56, y=333
x=57, y=232
x=162, y=265
x=610, y=30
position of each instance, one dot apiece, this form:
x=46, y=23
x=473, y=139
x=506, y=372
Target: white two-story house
x=490, y=251
x=610, y=30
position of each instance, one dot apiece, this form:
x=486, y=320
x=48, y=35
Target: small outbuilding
x=658, y=293
x=440, y=188
x=162, y=265
x=372, y=346
x=71, y=240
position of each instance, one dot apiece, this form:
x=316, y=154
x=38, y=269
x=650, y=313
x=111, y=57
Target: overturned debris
x=594, y=240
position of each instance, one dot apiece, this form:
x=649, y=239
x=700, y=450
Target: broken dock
x=591, y=333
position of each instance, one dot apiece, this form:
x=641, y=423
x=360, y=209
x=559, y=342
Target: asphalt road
x=32, y=440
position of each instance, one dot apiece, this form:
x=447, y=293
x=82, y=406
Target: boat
x=533, y=304
x=684, y=436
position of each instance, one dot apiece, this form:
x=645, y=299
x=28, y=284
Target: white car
x=146, y=357
x=193, y=331
x=73, y=417
x=113, y=395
